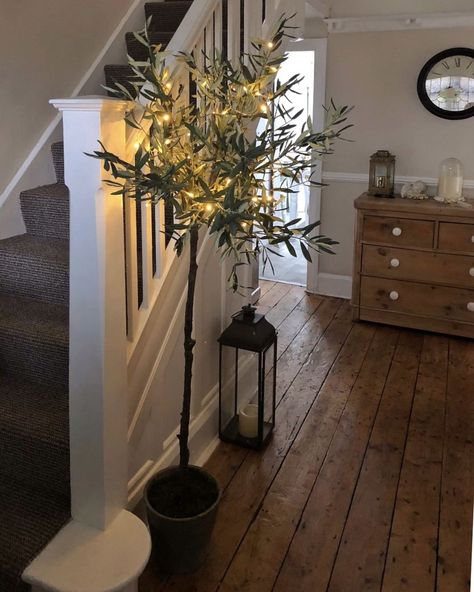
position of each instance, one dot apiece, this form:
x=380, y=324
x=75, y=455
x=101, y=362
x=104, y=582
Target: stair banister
x=97, y=374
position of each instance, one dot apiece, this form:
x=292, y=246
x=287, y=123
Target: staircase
x=112, y=246
x=34, y=448
x=34, y=343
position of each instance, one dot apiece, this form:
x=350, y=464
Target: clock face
x=446, y=84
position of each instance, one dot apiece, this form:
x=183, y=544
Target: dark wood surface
x=367, y=484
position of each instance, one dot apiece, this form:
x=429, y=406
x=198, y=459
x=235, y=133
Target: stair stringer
x=155, y=370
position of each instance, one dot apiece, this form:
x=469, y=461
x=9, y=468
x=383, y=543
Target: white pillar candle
x=248, y=421
x=450, y=179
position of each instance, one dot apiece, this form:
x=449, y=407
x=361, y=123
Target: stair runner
x=34, y=297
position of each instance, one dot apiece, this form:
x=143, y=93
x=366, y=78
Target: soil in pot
x=181, y=507
x=182, y=493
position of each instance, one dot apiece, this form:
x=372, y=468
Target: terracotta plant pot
x=181, y=507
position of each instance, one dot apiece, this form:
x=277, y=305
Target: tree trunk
x=189, y=344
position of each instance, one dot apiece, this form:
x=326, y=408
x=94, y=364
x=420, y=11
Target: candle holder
x=450, y=183
x=247, y=379
x=382, y=174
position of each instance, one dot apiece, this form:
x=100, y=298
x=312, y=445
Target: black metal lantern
x=247, y=385
x=382, y=174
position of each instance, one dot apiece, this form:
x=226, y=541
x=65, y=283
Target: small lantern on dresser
x=382, y=174
x=247, y=379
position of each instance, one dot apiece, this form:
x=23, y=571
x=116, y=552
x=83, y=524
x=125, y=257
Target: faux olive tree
x=206, y=159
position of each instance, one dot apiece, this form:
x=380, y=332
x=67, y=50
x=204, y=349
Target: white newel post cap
x=90, y=103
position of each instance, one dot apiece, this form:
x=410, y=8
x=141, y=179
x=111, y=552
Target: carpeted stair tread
x=166, y=16
x=29, y=519
x=57, y=152
x=122, y=74
x=45, y=210
x=34, y=429
x=35, y=267
x=138, y=51
x=34, y=340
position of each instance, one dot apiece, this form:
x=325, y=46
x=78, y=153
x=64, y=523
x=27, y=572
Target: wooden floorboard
x=457, y=483
x=311, y=554
x=412, y=552
x=367, y=483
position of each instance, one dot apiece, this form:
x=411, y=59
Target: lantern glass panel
x=239, y=384
x=247, y=397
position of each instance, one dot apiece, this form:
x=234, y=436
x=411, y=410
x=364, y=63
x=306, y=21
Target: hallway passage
x=367, y=483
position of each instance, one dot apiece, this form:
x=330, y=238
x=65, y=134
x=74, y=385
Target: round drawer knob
x=470, y=306
x=471, y=272
x=394, y=296
x=397, y=231
x=395, y=263
x=472, y=238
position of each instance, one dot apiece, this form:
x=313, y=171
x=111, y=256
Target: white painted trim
x=168, y=338
x=400, y=179
x=81, y=558
x=319, y=47
x=201, y=426
x=331, y=284
x=86, y=79
x=206, y=420
x=400, y=22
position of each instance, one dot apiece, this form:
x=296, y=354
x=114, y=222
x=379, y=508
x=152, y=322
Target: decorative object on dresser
x=450, y=184
x=446, y=84
x=414, y=265
x=416, y=190
x=382, y=174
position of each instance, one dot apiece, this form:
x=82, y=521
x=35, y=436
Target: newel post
x=97, y=367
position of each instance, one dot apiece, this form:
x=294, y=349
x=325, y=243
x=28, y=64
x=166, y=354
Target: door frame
x=319, y=47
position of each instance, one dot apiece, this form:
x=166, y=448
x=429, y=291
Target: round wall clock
x=446, y=84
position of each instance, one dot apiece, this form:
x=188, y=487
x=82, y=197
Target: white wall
x=45, y=49
x=377, y=73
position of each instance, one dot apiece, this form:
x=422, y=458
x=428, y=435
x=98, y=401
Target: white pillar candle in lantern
x=450, y=182
x=248, y=421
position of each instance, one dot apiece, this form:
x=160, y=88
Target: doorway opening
x=286, y=268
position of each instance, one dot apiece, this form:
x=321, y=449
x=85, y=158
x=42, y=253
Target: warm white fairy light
x=137, y=145
x=168, y=85
x=270, y=45
x=263, y=108
x=168, y=142
x=166, y=117
x=255, y=199
x=209, y=207
x=244, y=225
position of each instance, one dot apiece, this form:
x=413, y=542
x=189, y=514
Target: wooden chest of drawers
x=414, y=265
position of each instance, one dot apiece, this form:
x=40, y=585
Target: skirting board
x=331, y=284
x=203, y=441
x=203, y=437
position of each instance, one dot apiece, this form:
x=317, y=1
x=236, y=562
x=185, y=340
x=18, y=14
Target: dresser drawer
x=417, y=299
x=421, y=266
x=398, y=231
x=456, y=237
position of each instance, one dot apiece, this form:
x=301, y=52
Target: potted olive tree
x=209, y=163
